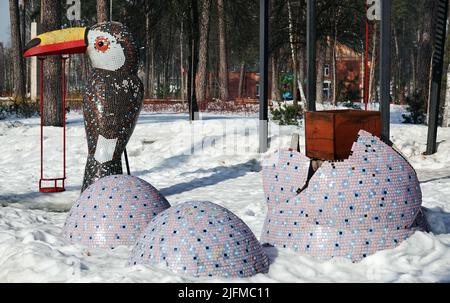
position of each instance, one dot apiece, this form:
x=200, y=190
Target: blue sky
x=4, y=22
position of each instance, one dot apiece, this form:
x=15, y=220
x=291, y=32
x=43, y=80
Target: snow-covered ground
x=225, y=169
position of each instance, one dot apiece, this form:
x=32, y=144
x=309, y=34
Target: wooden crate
x=330, y=134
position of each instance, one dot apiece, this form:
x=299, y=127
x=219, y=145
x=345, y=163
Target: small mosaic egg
x=113, y=212
x=201, y=239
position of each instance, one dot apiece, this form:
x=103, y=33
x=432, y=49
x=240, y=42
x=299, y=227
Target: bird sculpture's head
x=110, y=46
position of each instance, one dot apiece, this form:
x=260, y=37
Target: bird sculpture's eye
x=102, y=44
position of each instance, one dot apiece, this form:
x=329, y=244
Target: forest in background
x=219, y=36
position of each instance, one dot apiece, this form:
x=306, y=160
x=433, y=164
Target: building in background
x=349, y=78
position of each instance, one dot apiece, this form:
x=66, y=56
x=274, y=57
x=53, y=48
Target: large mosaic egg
x=112, y=212
x=351, y=209
x=201, y=239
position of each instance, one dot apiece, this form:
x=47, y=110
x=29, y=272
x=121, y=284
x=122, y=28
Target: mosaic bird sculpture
x=113, y=95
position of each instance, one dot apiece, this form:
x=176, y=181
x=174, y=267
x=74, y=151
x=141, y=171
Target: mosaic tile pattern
x=113, y=98
x=351, y=209
x=201, y=239
x=112, y=212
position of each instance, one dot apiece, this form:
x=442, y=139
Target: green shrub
x=167, y=91
x=25, y=109
x=416, y=109
x=352, y=105
x=346, y=91
x=287, y=114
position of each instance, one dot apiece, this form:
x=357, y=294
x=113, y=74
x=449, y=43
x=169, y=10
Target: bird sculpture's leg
x=96, y=170
x=102, y=162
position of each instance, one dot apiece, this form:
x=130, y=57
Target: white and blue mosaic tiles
x=350, y=209
x=113, y=212
x=201, y=239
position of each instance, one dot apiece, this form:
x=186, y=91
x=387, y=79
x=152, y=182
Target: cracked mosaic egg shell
x=201, y=239
x=350, y=209
x=113, y=212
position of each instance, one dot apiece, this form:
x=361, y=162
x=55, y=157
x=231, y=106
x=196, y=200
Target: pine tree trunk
x=414, y=74
x=182, y=67
x=2, y=69
x=372, y=79
x=241, y=80
x=50, y=21
x=16, y=48
x=9, y=70
x=223, y=69
x=301, y=73
x=158, y=85
x=396, y=72
x=23, y=26
x=23, y=34
x=203, y=52
x=151, y=85
x=276, y=93
x=425, y=50
x=103, y=10
x=147, y=57
x=293, y=53
x=430, y=79
x=335, y=80
x=362, y=80
x=167, y=61
x=320, y=72
x=446, y=116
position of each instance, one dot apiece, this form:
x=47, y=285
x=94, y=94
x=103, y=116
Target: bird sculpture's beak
x=60, y=42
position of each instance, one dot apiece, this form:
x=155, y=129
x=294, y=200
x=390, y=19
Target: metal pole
x=127, y=163
x=194, y=38
x=193, y=72
x=311, y=54
x=385, y=70
x=63, y=62
x=34, y=68
x=111, y=10
x=263, y=76
x=366, y=65
x=436, y=80
x=41, y=109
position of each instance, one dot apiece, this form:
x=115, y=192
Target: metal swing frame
x=59, y=183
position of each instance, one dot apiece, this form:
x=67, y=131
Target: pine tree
x=446, y=114
x=223, y=70
x=202, y=72
x=16, y=47
x=103, y=10
x=51, y=20
x=2, y=69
